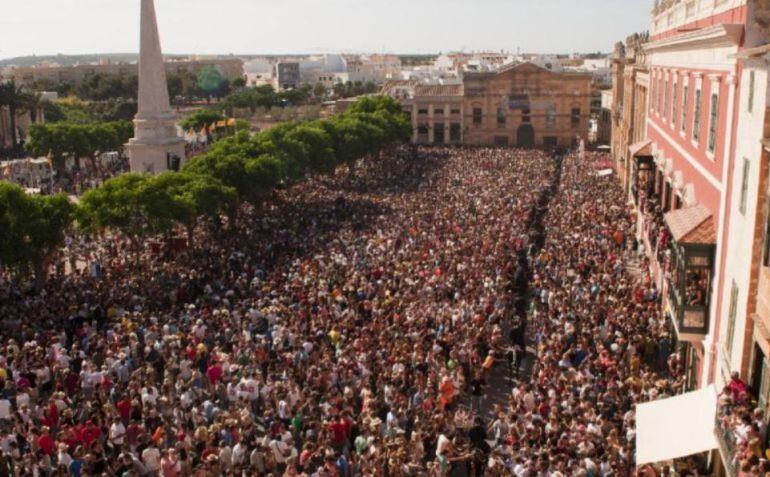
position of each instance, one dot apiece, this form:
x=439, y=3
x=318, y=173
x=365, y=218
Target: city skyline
x=335, y=26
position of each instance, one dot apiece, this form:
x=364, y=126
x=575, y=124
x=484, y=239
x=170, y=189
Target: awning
x=693, y=225
x=641, y=148
x=599, y=165
x=605, y=172
x=676, y=427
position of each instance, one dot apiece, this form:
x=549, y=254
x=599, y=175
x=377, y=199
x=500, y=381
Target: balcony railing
x=727, y=446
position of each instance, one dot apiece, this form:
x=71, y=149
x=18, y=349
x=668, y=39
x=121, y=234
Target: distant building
x=287, y=75
x=604, y=121
x=521, y=105
x=527, y=106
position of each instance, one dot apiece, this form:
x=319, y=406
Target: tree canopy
x=239, y=168
x=77, y=140
x=32, y=228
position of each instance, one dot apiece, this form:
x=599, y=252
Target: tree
x=318, y=147
x=116, y=205
x=31, y=229
x=46, y=225
x=238, y=83
x=319, y=91
x=211, y=82
x=173, y=198
x=78, y=140
x=16, y=100
x=200, y=119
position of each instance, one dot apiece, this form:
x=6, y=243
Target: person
x=736, y=387
x=341, y=323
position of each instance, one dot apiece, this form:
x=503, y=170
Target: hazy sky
x=286, y=26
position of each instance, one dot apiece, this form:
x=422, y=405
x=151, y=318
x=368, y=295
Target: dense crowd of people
x=350, y=326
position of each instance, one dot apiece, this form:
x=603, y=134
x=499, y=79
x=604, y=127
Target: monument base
x=153, y=158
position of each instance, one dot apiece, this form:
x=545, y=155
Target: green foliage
x=265, y=97
x=239, y=168
x=100, y=87
x=72, y=110
x=211, y=82
x=115, y=205
x=200, y=119
x=77, y=140
x=349, y=90
x=32, y=227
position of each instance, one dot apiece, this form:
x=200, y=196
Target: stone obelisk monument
x=155, y=142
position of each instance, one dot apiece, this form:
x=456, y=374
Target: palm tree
x=18, y=101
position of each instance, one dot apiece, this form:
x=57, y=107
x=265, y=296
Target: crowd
x=351, y=326
x=742, y=425
x=601, y=342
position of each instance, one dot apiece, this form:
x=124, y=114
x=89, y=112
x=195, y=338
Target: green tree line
x=241, y=168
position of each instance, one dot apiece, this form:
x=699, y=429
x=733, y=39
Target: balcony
x=737, y=427
x=689, y=284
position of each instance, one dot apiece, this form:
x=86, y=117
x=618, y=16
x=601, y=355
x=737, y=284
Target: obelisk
x=155, y=143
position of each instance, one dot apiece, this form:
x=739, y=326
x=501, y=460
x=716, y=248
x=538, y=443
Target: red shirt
x=46, y=444
x=339, y=431
x=124, y=409
x=214, y=373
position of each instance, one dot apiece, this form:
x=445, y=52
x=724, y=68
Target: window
x=455, y=132
x=666, y=100
x=525, y=118
x=660, y=95
x=477, y=113
x=744, y=186
x=438, y=111
x=674, y=103
x=439, y=136
x=752, y=79
x=422, y=111
x=696, y=119
x=500, y=117
x=550, y=116
x=455, y=111
x=684, y=109
x=575, y=117
x=713, y=122
x=731, y=318
x=766, y=248
x=422, y=129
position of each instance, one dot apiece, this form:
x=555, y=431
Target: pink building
x=704, y=174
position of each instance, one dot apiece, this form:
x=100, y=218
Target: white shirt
x=280, y=450
x=151, y=457
x=117, y=432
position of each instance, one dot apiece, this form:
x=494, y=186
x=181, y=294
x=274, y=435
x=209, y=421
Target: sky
x=46, y=27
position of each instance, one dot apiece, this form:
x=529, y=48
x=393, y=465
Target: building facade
x=698, y=176
x=525, y=105
x=287, y=75
x=522, y=105
x=629, y=109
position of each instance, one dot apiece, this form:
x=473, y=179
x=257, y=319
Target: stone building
x=525, y=105
x=630, y=80
x=521, y=105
